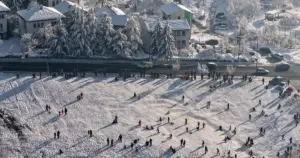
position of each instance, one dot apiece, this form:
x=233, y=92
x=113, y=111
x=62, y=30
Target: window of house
x=1, y=16
x=183, y=43
x=1, y=27
x=42, y=24
x=57, y=1
x=178, y=43
x=178, y=17
x=38, y=25
x=53, y=23
x=34, y=25
x=53, y=3
x=177, y=33
x=183, y=33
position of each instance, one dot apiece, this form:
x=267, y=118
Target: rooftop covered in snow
x=173, y=7
x=118, y=17
x=180, y=24
x=65, y=6
x=3, y=7
x=40, y=13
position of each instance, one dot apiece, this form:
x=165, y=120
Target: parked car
x=221, y=26
x=283, y=67
x=221, y=16
x=265, y=50
x=211, y=66
x=276, y=80
x=277, y=56
x=262, y=71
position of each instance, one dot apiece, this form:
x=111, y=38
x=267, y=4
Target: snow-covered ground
x=25, y=98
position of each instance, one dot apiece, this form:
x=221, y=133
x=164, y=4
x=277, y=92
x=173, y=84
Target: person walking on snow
x=206, y=150
x=66, y=110
x=112, y=142
x=58, y=133
x=185, y=121
x=140, y=123
x=107, y=140
x=228, y=106
x=259, y=102
x=182, y=98
x=120, y=138
x=218, y=151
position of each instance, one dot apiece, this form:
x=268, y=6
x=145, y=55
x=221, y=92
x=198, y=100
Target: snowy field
x=103, y=98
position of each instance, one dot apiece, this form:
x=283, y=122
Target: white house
x=49, y=3
x=173, y=11
x=4, y=10
x=119, y=18
x=180, y=28
x=32, y=19
x=66, y=6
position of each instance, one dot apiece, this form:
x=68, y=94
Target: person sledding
x=115, y=121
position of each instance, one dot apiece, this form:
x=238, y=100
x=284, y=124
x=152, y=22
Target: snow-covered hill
x=103, y=98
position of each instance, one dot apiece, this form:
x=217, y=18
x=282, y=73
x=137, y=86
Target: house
x=66, y=6
x=32, y=19
x=49, y=3
x=173, y=11
x=180, y=28
x=4, y=10
x=118, y=17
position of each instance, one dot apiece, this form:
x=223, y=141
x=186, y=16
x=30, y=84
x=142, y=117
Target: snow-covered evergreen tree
x=58, y=42
x=107, y=33
x=93, y=25
x=155, y=39
x=43, y=35
x=79, y=36
x=120, y=46
x=167, y=47
x=71, y=17
x=132, y=31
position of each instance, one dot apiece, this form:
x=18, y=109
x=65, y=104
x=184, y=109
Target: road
x=131, y=66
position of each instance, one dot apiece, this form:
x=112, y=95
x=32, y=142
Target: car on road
x=265, y=50
x=262, y=71
x=283, y=67
x=276, y=80
x=211, y=66
x=277, y=56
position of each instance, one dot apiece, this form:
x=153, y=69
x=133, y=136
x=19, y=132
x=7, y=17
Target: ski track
x=104, y=98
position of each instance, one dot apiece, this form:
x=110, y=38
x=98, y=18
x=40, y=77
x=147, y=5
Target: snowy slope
x=25, y=98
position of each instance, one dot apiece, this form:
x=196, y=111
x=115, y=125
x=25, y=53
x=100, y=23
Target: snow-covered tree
x=236, y=9
x=16, y=4
x=28, y=43
x=43, y=35
x=132, y=31
x=167, y=47
x=106, y=32
x=58, y=42
x=33, y=4
x=120, y=46
x=155, y=39
x=225, y=43
x=79, y=36
x=71, y=17
x=93, y=25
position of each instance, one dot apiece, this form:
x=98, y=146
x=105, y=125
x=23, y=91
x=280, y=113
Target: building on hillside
x=4, y=10
x=180, y=28
x=174, y=11
x=49, y=3
x=66, y=6
x=32, y=19
x=118, y=17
